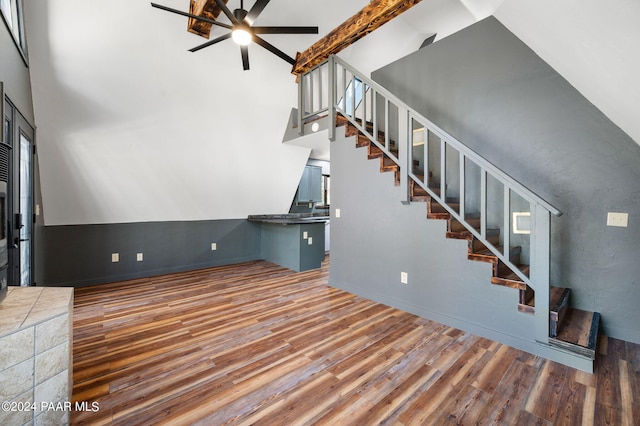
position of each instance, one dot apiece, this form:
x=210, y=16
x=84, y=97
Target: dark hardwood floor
x=259, y=344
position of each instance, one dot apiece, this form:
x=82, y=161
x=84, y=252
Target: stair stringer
x=377, y=237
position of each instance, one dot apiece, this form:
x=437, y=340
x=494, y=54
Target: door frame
x=20, y=126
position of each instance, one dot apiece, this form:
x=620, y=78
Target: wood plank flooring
x=255, y=343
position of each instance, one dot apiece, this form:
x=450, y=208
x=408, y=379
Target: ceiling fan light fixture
x=242, y=36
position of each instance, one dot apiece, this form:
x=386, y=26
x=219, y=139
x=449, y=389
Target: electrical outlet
x=404, y=278
x=139, y=257
x=115, y=257
x=310, y=240
x=214, y=246
x=618, y=219
x=337, y=212
x=305, y=235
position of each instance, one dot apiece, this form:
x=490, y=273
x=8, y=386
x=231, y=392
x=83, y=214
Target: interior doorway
x=19, y=135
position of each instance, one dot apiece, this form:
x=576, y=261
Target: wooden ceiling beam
x=371, y=17
x=206, y=9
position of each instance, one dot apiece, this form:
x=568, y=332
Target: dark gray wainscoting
x=79, y=255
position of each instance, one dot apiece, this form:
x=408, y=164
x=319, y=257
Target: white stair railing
x=467, y=180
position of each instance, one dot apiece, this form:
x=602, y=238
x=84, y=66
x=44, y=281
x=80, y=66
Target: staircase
x=391, y=139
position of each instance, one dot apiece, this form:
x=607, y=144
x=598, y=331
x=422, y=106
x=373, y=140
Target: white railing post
x=506, y=227
x=332, y=98
x=483, y=203
x=404, y=153
x=540, y=268
x=300, y=104
x=443, y=171
x=463, y=184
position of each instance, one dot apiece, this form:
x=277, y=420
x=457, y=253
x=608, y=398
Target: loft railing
x=470, y=188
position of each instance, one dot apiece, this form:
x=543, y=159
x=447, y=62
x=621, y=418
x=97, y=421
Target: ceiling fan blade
x=255, y=11
x=285, y=30
x=226, y=11
x=244, y=51
x=210, y=42
x=271, y=48
x=190, y=15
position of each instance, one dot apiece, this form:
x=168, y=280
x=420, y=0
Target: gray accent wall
x=377, y=237
x=78, y=255
x=493, y=93
x=14, y=73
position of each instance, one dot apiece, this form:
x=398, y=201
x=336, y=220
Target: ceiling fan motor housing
x=240, y=14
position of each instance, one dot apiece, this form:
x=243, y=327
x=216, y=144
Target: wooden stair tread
x=508, y=278
x=579, y=332
x=513, y=250
x=439, y=208
x=486, y=255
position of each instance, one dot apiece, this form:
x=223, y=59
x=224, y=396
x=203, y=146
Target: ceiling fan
x=242, y=30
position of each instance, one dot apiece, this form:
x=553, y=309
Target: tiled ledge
x=27, y=306
x=35, y=354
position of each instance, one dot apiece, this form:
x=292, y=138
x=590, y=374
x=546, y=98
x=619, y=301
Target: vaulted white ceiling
x=132, y=127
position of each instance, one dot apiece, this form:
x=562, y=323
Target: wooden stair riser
x=439, y=208
x=456, y=226
x=477, y=245
x=505, y=277
x=527, y=301
x=487, y=255
x=559, y=303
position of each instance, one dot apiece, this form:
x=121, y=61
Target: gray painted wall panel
x=286, y=245
x=15, y=74
x=489, y=90
x=81, y=254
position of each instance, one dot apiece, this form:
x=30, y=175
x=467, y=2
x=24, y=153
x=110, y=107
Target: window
x=12, y=15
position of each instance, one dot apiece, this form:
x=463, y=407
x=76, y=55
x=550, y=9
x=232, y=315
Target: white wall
x=593, y=44
x=132, y=127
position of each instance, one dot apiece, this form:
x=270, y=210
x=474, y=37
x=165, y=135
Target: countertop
x=290, y=218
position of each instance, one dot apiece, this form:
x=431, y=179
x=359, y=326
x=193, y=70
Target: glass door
x=25, y=208
x=19, y=135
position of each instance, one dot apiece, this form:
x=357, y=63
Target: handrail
x=540, y=210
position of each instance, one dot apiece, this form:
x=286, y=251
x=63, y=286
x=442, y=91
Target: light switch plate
x=214, y=246
x=139, y=257
x=310, y=240
x=115, y=257
x=337, y=212
x=305, y=235
x=404, y=278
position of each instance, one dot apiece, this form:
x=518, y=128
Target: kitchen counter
x=294, y=240
x=289, y=218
